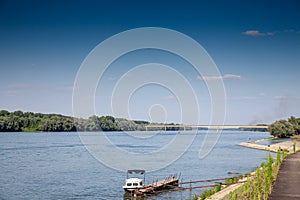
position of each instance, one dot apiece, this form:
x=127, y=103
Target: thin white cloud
x=253, y=33
x=231, y=76
x=209, y=78
x=257, y=33
x=224, y=77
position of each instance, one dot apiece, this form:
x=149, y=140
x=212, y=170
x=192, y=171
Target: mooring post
x=180, y=184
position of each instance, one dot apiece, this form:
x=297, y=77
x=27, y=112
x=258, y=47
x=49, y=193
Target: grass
x=208, y=193
x=231, y=180
x=258, y=186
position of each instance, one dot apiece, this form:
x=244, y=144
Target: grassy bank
x=256, y=186
x=259, y=186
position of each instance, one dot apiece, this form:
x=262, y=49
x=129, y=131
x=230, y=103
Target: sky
x=254, y=44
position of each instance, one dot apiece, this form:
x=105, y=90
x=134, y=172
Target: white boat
x=133, y=183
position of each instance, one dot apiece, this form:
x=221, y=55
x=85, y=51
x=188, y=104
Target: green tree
x=3, y=123
x=4, y=113
x=296, y=124
x=281, y=129
x=126, y=125
x=29, y=121
x=79, y=124
x=92, y=124
x=107, y=123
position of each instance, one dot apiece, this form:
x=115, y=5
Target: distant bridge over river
x=190, y=127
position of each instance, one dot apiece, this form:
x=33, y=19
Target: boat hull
x=130, y=190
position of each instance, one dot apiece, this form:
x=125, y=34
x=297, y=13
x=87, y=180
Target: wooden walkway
x=165, y=184
x=287, y=185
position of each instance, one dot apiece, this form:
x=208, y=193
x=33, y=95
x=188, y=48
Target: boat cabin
x=133, y=183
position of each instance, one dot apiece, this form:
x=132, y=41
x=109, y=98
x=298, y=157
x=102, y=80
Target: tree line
x=19, y=121
x=285, y=128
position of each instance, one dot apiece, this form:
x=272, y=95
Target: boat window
x=135, y=184
x=128, y=184
x=141, y=183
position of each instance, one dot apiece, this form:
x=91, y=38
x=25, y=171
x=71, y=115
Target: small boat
x=134, y=183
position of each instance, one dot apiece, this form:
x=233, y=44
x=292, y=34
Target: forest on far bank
x=19, y=121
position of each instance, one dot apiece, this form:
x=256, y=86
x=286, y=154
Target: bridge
x=188, y=127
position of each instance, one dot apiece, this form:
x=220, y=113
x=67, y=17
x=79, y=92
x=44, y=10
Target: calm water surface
x=58, y=166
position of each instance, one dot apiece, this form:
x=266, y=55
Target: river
x=58, y=166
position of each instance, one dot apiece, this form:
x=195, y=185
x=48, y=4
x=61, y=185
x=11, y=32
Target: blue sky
x=255, y=44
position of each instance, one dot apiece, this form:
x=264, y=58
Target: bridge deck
x=206, y=126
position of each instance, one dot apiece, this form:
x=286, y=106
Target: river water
x=58, y=166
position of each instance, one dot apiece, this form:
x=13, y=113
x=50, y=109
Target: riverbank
x=289, y=146
x=226, y=191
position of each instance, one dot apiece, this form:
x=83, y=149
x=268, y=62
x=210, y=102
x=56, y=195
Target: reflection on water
x=57, y=165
